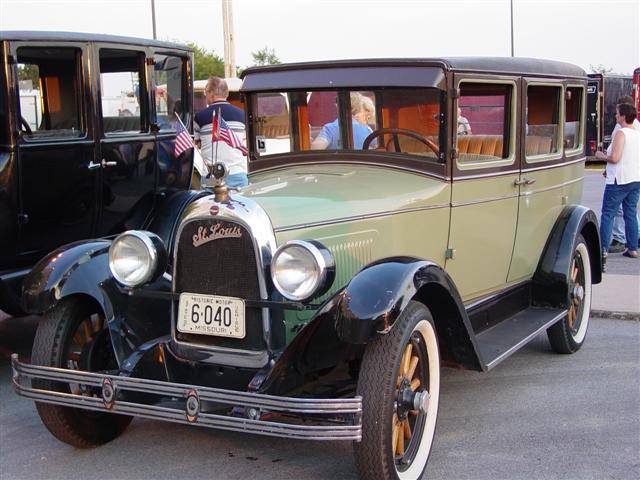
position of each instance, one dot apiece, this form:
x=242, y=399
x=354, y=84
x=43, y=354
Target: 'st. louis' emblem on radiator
x=215, y=232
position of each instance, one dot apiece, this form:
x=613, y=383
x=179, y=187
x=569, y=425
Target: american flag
x=221, y=132
x=183, y=140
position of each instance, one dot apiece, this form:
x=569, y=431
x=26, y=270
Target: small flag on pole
x=221, y=131
x=183, y=140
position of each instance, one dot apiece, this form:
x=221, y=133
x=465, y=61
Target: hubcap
x=576, y=293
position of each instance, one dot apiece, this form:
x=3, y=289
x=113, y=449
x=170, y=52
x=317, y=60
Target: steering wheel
x=396, y=143
x=26, y=126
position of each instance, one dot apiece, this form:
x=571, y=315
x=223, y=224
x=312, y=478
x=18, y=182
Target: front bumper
x=301, y=418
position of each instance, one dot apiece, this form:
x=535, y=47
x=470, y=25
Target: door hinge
x=454, y=153
x=150, y=61
x=23, y=218
x=455, y=93
x=450, y=254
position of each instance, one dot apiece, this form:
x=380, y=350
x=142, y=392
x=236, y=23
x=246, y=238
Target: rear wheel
x=568, y=335
x=399, y=383
x=73, y=335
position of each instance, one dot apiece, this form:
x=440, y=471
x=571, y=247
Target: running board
x=507, y=337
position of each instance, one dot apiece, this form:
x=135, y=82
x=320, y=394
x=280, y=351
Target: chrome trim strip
x=359, y=217
x=484, y=200
x=349, y=408
x=255, y=220
x=557, y=165
x=553, y=187
x=525, y=340
x=461, y=178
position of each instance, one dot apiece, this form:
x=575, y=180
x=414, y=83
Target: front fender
x=550, y=279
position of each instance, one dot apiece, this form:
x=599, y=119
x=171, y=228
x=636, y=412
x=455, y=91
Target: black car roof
x=41, y=36
x=504, y=65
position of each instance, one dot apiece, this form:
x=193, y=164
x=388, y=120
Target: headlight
x=302, y=270
x=137, y=257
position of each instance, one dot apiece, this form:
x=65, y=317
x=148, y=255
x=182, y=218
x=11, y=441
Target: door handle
x=524, y=181
x=102, y=164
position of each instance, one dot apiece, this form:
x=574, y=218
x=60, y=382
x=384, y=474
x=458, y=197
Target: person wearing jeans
x=623, y=182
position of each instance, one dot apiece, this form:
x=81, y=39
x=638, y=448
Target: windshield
x=394, y=120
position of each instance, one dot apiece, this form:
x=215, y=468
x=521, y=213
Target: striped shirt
x=233, y=159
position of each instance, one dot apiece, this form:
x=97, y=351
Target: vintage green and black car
x=87, y=133
x=403, y=215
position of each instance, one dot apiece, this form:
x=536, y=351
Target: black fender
x=550, y=279
x=368, y=306
x=82, y=269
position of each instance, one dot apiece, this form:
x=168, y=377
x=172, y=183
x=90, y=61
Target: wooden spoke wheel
x=568, y=335
x=399, y=382
x=74, y=335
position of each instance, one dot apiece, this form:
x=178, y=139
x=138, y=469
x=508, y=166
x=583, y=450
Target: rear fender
x=550, y=279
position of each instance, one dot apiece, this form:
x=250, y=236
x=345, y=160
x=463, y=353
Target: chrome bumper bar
x=185, y=403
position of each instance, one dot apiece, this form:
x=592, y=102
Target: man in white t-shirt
x=618, y=244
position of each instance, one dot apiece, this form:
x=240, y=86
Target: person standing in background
x=216, y=93
x=623, y=182
x=618, y=244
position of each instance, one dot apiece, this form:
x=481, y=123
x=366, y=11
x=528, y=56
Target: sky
x=583, y=32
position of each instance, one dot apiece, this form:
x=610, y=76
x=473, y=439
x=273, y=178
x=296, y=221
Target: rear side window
x=484, y=122
x=574, y=97
x=543, y=120
x=50, y=91
x=170, y=77
x=122, y=91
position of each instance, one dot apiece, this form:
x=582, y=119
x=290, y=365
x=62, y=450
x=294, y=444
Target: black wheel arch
x=550, y=278
x=368, y=306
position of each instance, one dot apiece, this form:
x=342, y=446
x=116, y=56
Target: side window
x=50, y=92
x=122, y=91
x=543, y=120
x=484, y=122
x=169, y=80
x=573, y=117
x=271, y=120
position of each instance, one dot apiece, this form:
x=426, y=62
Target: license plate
x=211, y=315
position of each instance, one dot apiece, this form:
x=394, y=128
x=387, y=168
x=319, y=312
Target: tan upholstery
x=490, y=145
x=538, y=145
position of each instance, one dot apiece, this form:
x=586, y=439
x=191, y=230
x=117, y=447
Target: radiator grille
x=223, y=266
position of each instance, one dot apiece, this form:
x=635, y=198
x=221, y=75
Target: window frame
x=344, y=117
x=501, y=163
x=80, y=93
x=184, y=93
x=545, y=157
x=143, y=55
x=582, y=118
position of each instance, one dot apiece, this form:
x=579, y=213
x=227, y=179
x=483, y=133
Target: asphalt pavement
x=538, y=415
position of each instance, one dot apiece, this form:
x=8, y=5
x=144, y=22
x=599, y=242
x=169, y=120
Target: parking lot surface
x=539, y=415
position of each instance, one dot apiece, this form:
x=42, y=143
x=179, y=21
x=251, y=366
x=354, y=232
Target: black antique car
x=87, y=129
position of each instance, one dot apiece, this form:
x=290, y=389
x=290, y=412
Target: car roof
x=499, y=65
x=41, y=36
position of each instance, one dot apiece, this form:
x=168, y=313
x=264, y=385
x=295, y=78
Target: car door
x=552, y=166
x=126, y=159
x=55, y=144
x=484, y=200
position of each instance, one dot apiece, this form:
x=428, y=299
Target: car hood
x=298, y=196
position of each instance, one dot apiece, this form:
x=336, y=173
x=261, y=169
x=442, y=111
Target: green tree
x=29, y=71
x=206, y=63
x=600, y=68
x=265, y=56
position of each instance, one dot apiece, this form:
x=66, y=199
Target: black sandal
x=627, y=253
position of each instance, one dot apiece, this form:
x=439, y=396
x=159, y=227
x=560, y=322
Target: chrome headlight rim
x=325, y=264
x=155, y=249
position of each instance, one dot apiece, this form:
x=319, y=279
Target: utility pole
x=229, y=45
x=511, y=4
x=153, y=18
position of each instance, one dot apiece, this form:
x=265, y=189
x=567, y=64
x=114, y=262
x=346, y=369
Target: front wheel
x=73, y=335
x=399, y=382
x=568, y=335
